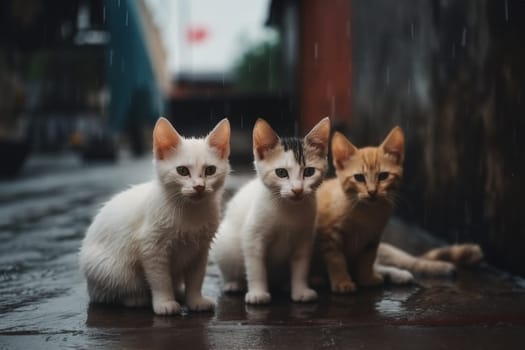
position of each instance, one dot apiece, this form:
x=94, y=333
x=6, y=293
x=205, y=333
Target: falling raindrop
x=467, y=214
x=270, y=75
x=104, y=14
x=506, y=10
x=464, y=37
x=127, y=18
x=118, y=3
x=412, y=30
x=515, y=136
x=110, y=58
x=388, y=75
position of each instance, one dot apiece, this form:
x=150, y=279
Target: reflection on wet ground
x=44, y=303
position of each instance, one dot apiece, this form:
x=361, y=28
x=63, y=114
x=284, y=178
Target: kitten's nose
x=199, y=188
x=372, y=193
x=297, y=191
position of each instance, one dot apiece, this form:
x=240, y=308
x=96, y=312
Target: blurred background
x=83, y=81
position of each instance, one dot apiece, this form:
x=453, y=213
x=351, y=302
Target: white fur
x=150, y=239
x=394, y=274
x=267, y=233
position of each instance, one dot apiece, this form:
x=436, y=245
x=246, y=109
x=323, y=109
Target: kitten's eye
x=183, y=171
x=210, y=170
x=359, y=178
x=382, y=176
x=281, y=172
x=308, y=171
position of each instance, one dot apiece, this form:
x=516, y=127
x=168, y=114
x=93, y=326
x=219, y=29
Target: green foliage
x=259, y=68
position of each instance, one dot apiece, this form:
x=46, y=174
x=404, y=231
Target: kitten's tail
x=392, y=256
x=436, y=262
x=466, y=255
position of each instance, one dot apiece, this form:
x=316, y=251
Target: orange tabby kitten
x=354, y=208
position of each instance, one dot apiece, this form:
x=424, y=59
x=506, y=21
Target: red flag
x=196, y=34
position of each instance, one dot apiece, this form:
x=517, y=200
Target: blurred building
x=228, y=64
x=78, y=66
x=316, y=54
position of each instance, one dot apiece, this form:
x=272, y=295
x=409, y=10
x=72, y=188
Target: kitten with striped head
x=267, y=232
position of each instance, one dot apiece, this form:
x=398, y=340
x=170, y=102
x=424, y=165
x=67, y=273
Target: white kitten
x=150, y=239
x=269, y=224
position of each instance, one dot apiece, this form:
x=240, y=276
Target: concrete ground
x=44, y=304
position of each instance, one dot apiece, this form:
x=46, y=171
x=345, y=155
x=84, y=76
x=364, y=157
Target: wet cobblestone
x=44, y=304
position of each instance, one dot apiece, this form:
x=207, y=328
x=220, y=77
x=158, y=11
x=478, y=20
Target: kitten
x=269, y=224
x=150, y=239
x=354, y=208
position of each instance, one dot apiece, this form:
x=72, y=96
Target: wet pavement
x=44, y=304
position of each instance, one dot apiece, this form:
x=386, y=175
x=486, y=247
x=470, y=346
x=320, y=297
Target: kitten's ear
x=319, y=136
x=165, y=138
x=264, y=138
x=342, y=150
x=394, y=145
x=219, y=138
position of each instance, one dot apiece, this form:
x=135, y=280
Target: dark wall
x=195, y=115
x=242, y=110
x=451, y=74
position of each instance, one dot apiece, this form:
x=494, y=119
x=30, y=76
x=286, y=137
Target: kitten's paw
x=232, y=287
x=401, y=277
x=443, y=268
x=257, y=297
x=304, y=295
x=167, y=307
x=343, y=287
x=469, y=255
x=136, y=301
x=373, y=280
x=201, y=304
